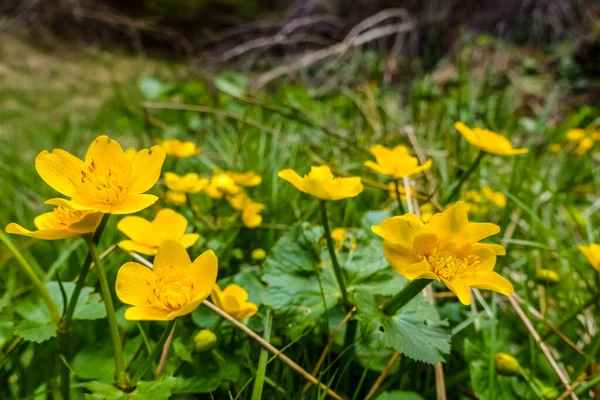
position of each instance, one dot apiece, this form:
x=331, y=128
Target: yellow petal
x=460, y=289
x=343, y=188
x=45, y=234
x=246, y=310
x=189, y=239
x=60, y=170
x=486, y=258
x=400, y=259
x=169, y=225
x=467, y=133
x=129, y=245
x=419, y=270
x=147, y=314
x=480, y=230
x=204, y=272
x=136, y=228
x=490, y=280
x=376, y=167
x=88, y=224
x=496, y=248
x=399, y=230
x=216, y=295
x=172, y=257
x=188, y=308
x=146, y=168
x=236, y=291
x=133, y=204
x=292, y=177
x=592, y=254
x=322, y=172
x=106, y=153
x=450, y=225
x=318, y=188
x=135, y=285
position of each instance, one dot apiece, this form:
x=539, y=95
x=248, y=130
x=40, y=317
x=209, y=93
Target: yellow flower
x=584, y=145
x=338, y=235
x=555, y=147
x=488, y=141
x=61, y=223
x=177, y=148
x=321, y=183
x=188, y=183
x=146, y=237
x=497, y=198
x=396, y=162
x=234, y=301
x=174, y=287
x=221, y=184
x=474, y=195
x=175, y=198
x=447, y=248
x=249, y=178
x=592, y=253
x=575, y=134
x=106, y=181
x=426, y=212
x=251, y=217
x=258, y=254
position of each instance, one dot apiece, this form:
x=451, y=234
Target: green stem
x=455, y=187
x=334, y=261
x=400, y=206
x=65, y=324
x=110, y=314
x=152, y=356
x=401, y=298
x=37, y=282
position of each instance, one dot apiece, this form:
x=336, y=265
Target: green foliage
x=301, y=281
x=152, y=390
x=416, y=330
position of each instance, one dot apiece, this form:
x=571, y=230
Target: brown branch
x=382, y=375
x=164, y=355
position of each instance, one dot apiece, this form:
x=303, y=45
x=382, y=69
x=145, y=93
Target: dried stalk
x=383, y=375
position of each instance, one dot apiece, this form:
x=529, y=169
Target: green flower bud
x=259, y=254
x=506, y=364
x=238, y=254
x=547, y=276
x=205, y=341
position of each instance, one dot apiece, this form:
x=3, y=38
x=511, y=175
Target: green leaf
x=34, y=331
x=399, y=395
x=416, y=330
x=145, y=390
x=207, y=375
x=301, y=281
x=151, y=87
x=182, y=350
x=89, y=305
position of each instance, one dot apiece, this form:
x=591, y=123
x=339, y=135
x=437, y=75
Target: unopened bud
x=506, y=364
x=547, y=276
x=258, y=254
x=205, y=341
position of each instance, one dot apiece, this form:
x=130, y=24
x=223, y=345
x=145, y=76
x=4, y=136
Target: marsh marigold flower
x=146, y=236
x=396, y=163
x=592, y=253
x=251, y=210
x=488, y=141
x=234, y=301
x=61, y=223
x=175, y=198
x=173, y=287
x=446, y=249
x=188, y=183
x=321, y=183
x=230, y=183
x=179, y=149
x=575, y=134
x=248, y=178
x=106, y=181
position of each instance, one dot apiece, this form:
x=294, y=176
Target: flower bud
x=205, y=341
x=258, y=254
x=506, y=364
x=547, y=276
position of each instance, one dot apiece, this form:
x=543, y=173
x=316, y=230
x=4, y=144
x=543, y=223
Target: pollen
x=106, y=184
x=174, y=293
x=62, y=218
x=448, y=264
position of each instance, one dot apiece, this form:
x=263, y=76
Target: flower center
x=174, y=294
x=104, y=184
x=448, y=264
x=62, y=218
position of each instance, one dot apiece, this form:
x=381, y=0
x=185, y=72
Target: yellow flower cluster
x=584, y=139
x=480, y=202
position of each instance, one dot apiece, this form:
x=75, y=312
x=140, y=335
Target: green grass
x=66, y=97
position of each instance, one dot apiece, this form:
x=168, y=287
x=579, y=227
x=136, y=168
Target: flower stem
x=152, y=356
x=400, y=206
x=65, y=323
x=37, y=282
x=110, y=314
x=455, y=187
x=401, y=298
x=334, y=261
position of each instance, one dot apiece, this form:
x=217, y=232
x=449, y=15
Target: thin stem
x=110, y=314
x=401, y=298
x=455, y=187
x=399, y=206
x=152, y=356
x=382, y=376
x=37, y=282
x=334, y=261
x=162, y=363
